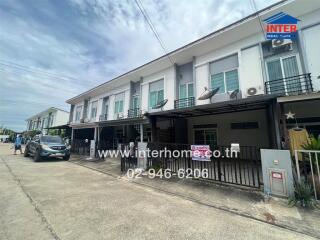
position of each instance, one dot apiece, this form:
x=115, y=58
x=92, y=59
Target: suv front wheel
x=26, y=153
x=37, y=156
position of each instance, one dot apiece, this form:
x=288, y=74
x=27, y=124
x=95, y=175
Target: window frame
x=205, y=129
x=157, y=97
x=225, y=81
x=187, y=84
x=80, y=112
x=91, y=109
x=281, y=58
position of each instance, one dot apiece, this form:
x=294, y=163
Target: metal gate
x=128, y=161
x=244, y=169
x=80, y=146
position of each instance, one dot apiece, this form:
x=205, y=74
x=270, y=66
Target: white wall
x=60, y=118
x=250, y=73
x=250, y=70
x=169, y=88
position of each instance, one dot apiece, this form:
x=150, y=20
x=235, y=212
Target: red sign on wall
x=277, y=175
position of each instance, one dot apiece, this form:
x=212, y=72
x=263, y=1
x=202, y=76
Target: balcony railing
x=103, y=117
x=295, y=85
x=184, y=102
x=134, y=112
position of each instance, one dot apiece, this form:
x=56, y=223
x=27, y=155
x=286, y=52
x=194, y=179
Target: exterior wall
x=169, y=88
x=226, y=135
x=61, y=118
x=251, y=69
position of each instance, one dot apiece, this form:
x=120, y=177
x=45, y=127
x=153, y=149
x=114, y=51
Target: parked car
x=47, y=146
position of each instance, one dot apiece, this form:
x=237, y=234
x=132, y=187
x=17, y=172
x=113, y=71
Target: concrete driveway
x=61, y=200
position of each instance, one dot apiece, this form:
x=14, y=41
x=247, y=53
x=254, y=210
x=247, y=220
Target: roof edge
x=182, y=47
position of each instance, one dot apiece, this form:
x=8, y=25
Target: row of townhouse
x=51, y=117
x=256, y=82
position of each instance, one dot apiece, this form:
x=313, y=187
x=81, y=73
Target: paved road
x=61, y=200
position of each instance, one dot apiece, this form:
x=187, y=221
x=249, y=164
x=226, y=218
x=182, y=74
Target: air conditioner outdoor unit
x=86, y=120
x=253, y=91
x=281, y=42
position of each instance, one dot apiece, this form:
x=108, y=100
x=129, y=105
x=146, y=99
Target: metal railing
x=243, y=169
x=134, y=112
x=103, y=117
x=295, y=85
x=184, y=102
x=307, y=164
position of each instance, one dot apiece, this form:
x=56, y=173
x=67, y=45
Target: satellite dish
x=160, y=104
x=208, y=94
x=234, y=94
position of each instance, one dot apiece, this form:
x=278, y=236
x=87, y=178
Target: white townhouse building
x=255, y=81
x=49, y=118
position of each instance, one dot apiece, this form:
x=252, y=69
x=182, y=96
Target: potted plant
x=303, y=194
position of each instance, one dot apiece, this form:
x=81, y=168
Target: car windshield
x=51, y=139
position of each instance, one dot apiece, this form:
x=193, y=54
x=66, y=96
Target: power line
x=152, y=27
x=28, y=69
x=259, y=18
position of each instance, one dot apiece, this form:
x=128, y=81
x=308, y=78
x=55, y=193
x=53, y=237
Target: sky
x=53, y=50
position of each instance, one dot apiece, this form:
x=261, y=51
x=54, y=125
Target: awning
x=65, y=126
x=244, y=104
x=123, y=121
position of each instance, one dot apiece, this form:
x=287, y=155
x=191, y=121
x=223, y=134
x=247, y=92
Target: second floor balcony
x=295, y=85
x=134, y=112
x=103, y=117
x=184, y=102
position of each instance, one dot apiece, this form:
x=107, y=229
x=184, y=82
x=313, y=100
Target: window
x=205, y=137
x=135, y=102
x=118, y=103
x=94, y=106
x=281, y=68
x=78, y=113
x=156, y=93
x=224, y=74
x=186, y=90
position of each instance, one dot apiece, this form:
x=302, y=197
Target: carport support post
x=276, y=119
x=141, y=132
x=72, y=133
x=284, y=127
x=153, y=122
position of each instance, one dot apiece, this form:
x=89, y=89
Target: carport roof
x=123, y=121
x=245, y=104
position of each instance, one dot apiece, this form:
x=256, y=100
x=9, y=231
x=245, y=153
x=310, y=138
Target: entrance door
x=281, y=74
